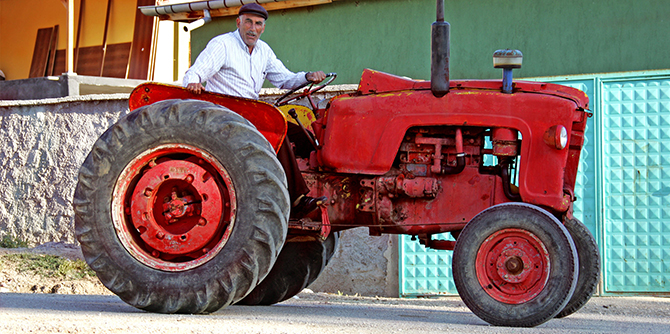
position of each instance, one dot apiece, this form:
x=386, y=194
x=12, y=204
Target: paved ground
x=315, y=313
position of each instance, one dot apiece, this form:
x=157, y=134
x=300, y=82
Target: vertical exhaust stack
x=439, y=67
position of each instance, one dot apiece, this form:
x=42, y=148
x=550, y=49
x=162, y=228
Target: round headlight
x=556, y=137
x=563, y=138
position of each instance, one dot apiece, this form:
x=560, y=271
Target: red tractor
x=182, y=207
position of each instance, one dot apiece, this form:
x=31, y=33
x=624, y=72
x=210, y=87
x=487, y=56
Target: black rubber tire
x=589, y=266
x=299, y=264
x=260, y=225
x=563, y=267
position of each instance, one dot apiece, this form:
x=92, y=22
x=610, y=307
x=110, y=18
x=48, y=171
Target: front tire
x=181, y=207
x=589, y=266
x=515, y=264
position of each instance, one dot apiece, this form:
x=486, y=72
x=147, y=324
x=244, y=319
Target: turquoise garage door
x=636, y=170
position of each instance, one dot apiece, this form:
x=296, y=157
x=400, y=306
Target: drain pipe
x=196, y=6
x=439, y=66
x=199, y=22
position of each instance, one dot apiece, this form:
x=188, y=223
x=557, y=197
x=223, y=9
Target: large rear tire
x=589, y=266
x=299, y=264
x=181, y=207
x=515, y=264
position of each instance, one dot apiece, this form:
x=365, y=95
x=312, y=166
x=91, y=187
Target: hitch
x=428, y=242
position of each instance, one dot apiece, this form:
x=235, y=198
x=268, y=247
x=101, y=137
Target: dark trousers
x=296, y=183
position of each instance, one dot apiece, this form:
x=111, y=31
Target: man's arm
x=209, y=61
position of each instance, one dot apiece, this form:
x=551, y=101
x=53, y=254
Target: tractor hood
x=374, y=82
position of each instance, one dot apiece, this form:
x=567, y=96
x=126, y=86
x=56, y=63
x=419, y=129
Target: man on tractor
x=237, y=63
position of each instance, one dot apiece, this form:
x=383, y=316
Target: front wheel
x=181, y=207
x=515, y=264
x=589, y=266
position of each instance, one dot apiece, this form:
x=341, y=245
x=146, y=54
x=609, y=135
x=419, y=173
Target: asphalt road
x=315, y=313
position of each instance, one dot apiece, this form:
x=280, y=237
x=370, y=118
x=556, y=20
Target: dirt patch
x=49, y=268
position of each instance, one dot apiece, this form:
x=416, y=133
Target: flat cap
x=254, y=8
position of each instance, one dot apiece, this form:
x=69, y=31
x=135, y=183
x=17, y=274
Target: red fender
x=269, y=120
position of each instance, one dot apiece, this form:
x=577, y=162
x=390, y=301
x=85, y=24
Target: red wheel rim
x=512, y=266
x=173, y=207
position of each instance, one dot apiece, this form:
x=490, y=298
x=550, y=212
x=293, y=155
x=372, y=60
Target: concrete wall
x=44, y=142
x=363, y=265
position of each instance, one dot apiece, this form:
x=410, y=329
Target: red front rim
x=513, y=266
x=173, y=207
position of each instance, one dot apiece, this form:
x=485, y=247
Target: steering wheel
x=313, y=88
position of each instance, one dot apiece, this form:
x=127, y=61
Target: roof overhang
x=193, y=10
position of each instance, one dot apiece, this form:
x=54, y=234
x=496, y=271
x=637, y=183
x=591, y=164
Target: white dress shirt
x=227, y=67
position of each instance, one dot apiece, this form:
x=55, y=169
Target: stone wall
x=44, y=142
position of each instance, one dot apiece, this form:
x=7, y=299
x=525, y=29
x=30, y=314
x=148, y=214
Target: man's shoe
x=307, y=205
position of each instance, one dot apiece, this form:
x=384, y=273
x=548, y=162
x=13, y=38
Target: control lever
x=309, y=135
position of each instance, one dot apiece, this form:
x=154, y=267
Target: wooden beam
x=116, y=60
x=140, y=52
x=38, y=66
x=104, y=36
x=76, y=47
x=222, y=12
x=53, y=46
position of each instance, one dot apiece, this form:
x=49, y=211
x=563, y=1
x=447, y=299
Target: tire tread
x=182, y=292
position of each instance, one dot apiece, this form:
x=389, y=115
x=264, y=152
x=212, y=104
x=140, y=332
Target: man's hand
x=315, y=76
x=195, y=88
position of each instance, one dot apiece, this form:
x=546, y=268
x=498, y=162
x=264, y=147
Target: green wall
x=556, y=37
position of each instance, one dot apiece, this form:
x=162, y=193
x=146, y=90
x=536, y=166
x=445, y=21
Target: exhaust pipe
x=439, y=66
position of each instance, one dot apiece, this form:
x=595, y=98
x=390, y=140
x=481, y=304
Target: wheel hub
x=186, y=219
x=512, y=266
x=174, y=207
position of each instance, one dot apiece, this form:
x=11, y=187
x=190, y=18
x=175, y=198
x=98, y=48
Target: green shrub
x=50, y=266
x=9, y=241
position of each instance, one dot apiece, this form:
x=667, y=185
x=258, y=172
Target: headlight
x=556, y=137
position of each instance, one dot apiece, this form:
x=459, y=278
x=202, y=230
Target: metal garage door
x=636, y=171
